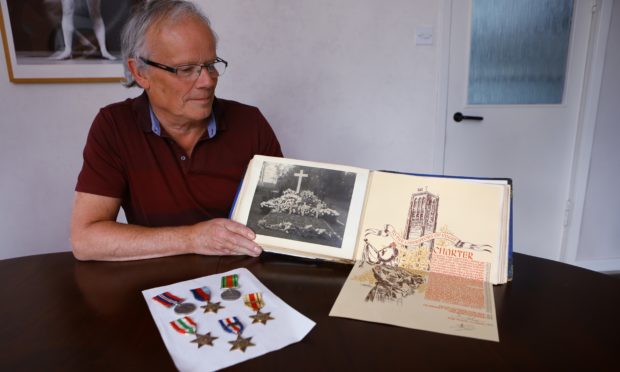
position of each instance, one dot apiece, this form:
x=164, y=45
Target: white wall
x=341, y=82
x=42, y=132
x=600, y=229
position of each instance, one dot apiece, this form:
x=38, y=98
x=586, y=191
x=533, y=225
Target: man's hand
x=95, y=235
x=223, y=237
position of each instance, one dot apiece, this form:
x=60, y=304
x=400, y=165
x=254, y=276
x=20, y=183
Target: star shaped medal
x=205, y=339
x=187, y=326
x=212, y=307
x=233, y=325
x=255, y=302
x=261, y=317
x=241, y=343
x=204, y=294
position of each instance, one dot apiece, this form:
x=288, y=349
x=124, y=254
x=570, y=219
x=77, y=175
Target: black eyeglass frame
x=175, y=69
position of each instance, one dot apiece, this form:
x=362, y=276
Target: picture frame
x=34, y=40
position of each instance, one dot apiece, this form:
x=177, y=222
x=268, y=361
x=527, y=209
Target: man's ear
x=138, y=74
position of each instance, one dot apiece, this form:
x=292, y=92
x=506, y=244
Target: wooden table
x=62, y=314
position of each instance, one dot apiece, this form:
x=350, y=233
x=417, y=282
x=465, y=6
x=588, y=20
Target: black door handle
x=459, y=117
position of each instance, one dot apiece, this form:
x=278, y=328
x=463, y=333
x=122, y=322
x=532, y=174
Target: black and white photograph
x=302, y=203
x=56, y=39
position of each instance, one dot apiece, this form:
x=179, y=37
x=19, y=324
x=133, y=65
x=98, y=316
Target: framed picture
x=57, y=41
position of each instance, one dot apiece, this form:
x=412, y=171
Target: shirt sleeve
x=102, y=172
x=268, y=142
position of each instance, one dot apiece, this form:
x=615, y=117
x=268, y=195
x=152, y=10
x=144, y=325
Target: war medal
x=185, y=308
x=204, y=294
x=233, y=325
x=255, y=302
x=230, y=282
x=186, y=326
x=180, y=307
x=206, y=339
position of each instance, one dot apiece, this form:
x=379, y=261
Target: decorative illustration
x=393, y=283
x=397, y=259
x=416, y=265
x=302, y=203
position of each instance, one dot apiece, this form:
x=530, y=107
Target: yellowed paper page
x=451, y=226
x=420, y=300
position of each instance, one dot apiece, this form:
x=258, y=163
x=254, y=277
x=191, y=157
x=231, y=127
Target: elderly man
x=174, y=156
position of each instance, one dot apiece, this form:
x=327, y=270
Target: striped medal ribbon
x=180, y=307
x=168, y=299
x=229, y=283
x=184, y=325
x=202, y=294
x=254, y=301
x=232, y=325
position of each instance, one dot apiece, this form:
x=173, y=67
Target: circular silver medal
x=231, y=294
x=185, y=308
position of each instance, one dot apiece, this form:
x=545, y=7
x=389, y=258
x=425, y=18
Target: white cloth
x=287, y=327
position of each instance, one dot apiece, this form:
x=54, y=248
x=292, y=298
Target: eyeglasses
x=190, y=72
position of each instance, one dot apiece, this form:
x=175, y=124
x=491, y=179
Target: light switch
x=424, y=35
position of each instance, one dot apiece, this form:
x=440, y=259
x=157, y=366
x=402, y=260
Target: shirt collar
x=156, y=126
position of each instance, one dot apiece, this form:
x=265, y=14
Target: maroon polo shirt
x=158, y=184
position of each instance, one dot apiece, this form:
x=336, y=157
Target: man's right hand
x=95, y=235
x=221, y=236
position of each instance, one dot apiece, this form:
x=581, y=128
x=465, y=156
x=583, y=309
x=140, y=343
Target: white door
x=519, y=137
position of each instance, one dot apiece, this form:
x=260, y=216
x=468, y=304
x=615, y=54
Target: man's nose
x=205, y=78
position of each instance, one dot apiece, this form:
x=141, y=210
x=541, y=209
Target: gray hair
x=133, y=36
